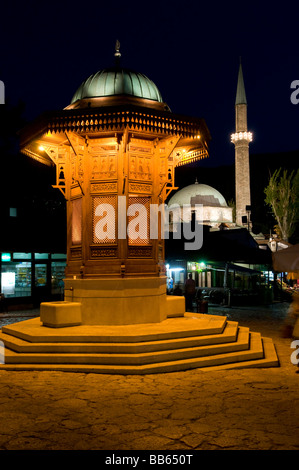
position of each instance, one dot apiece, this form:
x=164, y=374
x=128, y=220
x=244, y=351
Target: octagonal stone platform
x=193, y=341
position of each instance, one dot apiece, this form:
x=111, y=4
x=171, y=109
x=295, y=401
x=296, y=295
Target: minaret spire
x=241, y=95
x=241, y=139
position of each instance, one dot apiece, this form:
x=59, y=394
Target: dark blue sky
x=189, y=49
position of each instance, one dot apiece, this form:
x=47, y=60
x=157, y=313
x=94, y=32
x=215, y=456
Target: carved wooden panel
x=76, y=252
x=140, y=146
x=140, y=252
x=75, y=191
x=77, y=221
x=102, y=146
x=140, y=168
x=104, y=219
x=103, y=187
x=140, y=188
x=103, y=252
x=80, y=163
x=104, y=167
x=139, y=221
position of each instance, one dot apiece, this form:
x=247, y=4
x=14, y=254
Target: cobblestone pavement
x=249, y=409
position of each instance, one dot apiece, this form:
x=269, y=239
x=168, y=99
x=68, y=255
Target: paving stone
x=191, y=410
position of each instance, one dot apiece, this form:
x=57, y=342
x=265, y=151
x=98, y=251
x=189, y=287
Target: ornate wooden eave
x=115, y=119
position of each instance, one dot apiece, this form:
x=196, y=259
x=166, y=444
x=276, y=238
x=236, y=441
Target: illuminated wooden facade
x=105, y=148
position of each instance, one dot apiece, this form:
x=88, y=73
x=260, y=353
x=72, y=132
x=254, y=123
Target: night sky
x=190, y=50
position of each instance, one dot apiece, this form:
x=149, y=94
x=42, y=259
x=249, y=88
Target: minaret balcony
x=247, y=136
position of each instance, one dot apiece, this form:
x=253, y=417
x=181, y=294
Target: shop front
x=30, y=278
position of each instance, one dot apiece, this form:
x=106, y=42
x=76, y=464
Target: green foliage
x=231, y=203
x=282, y=195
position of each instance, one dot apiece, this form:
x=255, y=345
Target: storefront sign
x=5, y=257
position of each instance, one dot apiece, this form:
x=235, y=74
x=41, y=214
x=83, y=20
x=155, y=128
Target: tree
x=232, y=203
x=282, y=195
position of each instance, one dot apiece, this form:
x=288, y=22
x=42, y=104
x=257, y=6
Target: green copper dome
x=117, y=81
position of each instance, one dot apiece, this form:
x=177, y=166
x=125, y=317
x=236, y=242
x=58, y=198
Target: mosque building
x=216, y=212
x=232, y=257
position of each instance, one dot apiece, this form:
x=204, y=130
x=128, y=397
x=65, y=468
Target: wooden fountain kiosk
x=116, y=145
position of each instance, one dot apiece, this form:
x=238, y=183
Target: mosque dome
x=117, y=81
x=115, y=86
x=198, y=194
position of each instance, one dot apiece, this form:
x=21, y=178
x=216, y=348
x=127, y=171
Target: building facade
x=29, y=278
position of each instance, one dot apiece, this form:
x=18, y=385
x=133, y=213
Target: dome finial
x=196, y=181
x=117, y=54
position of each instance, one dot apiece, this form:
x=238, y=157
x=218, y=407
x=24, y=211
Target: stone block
x=120, y=301
x=175, y=306
x=60, y=314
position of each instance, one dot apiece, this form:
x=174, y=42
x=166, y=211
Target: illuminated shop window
x=40, y=275
x=58, y=256
x=41, y=255
x=5, y=257
x=13, y=212
x=16, y=279
x=57, y=277
x=22, y=255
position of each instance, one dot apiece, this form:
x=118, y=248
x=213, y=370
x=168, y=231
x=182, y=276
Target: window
x=58, y=256
x=12, y=212
x=77, y=221
x=41, y=255
x=104, y=219
x=16, y=279
x=40, y=275
x=138, y=221
x=5, y=257
x=22, y=256
x=57, y=277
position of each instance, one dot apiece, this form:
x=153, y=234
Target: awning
x=294, y=275
x=243, y=269
x=232, y=246
x=286, y=260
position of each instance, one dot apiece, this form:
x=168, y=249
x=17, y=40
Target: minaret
x=241, y=139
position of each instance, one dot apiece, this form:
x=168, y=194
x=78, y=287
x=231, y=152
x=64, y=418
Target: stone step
x=190, y=325
x=20, y=345
x=241, y=344
x=270, y=359
x=207, y=342
x=254, y=357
